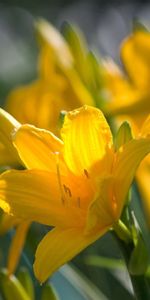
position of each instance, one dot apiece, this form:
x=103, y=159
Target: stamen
x=86, y=173
x=67, y=190
x=59, y=177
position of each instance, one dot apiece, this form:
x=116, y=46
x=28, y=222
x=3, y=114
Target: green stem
x=139, y=283
x=140, y=287
x=122, y=231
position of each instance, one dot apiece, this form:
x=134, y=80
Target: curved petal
x=17, y=246
x=58, y=247
x=127, y=160
x=8, y=153
x=145, y=130
x=136, y=49
x=143, y=180
x=38, y=148
x=126, y=99
x=101, y=213
x=37, y=196
x=87, y=139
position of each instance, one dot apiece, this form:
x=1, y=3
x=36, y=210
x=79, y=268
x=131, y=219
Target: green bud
x=139, y=259
x=26, y=281
x=123, y=135
x=49, y=293
x=78, y=47
x=11, y=287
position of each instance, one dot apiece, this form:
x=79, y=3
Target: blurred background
x=104, y=24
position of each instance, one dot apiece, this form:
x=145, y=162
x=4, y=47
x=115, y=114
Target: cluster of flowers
x=75, y=179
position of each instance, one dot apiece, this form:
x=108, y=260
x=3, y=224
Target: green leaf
x=11, y=287
x=139, y=259
x=26, y=281
x=123, y=135
x=104, y=262
x=49, y=293
x=78, y=48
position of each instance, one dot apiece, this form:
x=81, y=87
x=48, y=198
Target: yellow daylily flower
x=130, y=95
x=58, y=87
x=77, y=184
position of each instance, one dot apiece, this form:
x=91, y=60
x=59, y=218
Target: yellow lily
x=57, y=88
x=130, y=95
x=77, y=185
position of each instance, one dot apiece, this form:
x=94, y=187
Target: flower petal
x=145, y=130
x=127, y=160
x=143, y=180
x=36, y=196
x=101, y=213
x=39, y=104
x=17, y=246
x=8, y=153
x=37, y=147
x=125, y=97
x=136, y=49
x=87, y=139
x=58, y=247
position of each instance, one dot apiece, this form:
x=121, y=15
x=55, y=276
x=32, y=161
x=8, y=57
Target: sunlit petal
x=58, y=247
x=102, y=210
x=38, y=147
x=37, y=196
x=87, y=139
x=127, y=160
x=8, y=153
x=136, y=49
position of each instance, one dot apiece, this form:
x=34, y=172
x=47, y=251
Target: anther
x=86, y=173
x=67, y=190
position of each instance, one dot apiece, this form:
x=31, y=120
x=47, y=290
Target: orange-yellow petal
x=128, y=159
x=102, y=210
x=145, y=130
x=125, y=98
x=8, y=153
x=58, y=247
x=87, y=139
x=135, y=54
x=38, y=148
x=143, y=180
x=17, y=246
x=37, y=196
